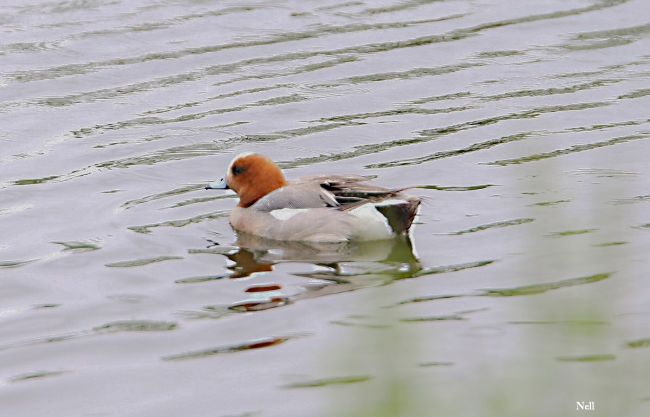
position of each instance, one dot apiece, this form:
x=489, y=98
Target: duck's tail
x=399, y=213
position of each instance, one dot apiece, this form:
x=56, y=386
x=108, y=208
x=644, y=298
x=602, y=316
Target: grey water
x=522, y=290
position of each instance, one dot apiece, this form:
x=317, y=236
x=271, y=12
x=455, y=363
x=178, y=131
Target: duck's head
x=251, y=176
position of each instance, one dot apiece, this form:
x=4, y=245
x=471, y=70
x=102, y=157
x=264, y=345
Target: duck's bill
x=218, y=185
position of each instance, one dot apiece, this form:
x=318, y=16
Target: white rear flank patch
x=375, y=225
x=286, y=213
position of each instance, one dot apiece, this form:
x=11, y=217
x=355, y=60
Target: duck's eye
x=237, y=170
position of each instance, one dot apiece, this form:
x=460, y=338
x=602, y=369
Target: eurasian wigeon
x=317, y=209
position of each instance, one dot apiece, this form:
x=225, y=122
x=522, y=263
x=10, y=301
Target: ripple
x=636, y=94
x=428, y=364
x=142, y=262
x=525, y=290
x=218, y=97
x=260, y=304
x=447, y=317
x=324, y=382
x=253, y=344
x=572, y=232
x=608, y=244
x=561, y=322
x=542, y=288
x=606, y=173
x=136, y=326
x=587, y=358
x=35, y=375
x=496, y=225
x=167, y=23
x=639, y=343
x=498, y=54
x=27, y=47
x=550, y=203
x=444, y=97
x=450, y=317
x=34, y=181
x=402, y=75
x=180, y=222
x=570, y=150
x=395, y=112
x=455, y=187
x=360, y=325
x=340, y=5
x=552, y=90
x=609, y=38
x=153, y=197
x=201, y=279
x=451, y=268
x=605, y=126
x=112, y=327
x=77, y=246
x=15, y=264
x=452, y=153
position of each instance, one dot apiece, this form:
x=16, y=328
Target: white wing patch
x=286, y=213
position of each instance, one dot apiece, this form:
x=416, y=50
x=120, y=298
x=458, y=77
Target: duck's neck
x=263, y=185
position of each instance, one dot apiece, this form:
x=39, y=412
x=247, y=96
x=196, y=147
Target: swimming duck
x=317, y=209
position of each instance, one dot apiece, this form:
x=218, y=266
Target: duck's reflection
x=391, y=259
x=245, y=264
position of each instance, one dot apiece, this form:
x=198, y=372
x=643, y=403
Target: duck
x=328, y=208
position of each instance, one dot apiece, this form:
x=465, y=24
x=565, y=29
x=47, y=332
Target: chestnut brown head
x=251, y=176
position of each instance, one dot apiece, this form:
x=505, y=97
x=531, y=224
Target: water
x=523, y=288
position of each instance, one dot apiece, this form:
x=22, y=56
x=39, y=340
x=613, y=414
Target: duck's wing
x=342, y=192
x=352, y=191
x=300, y=195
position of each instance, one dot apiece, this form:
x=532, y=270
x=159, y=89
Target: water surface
x=521, y=291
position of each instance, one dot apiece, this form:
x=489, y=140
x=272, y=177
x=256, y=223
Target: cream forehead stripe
x=235, y=159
